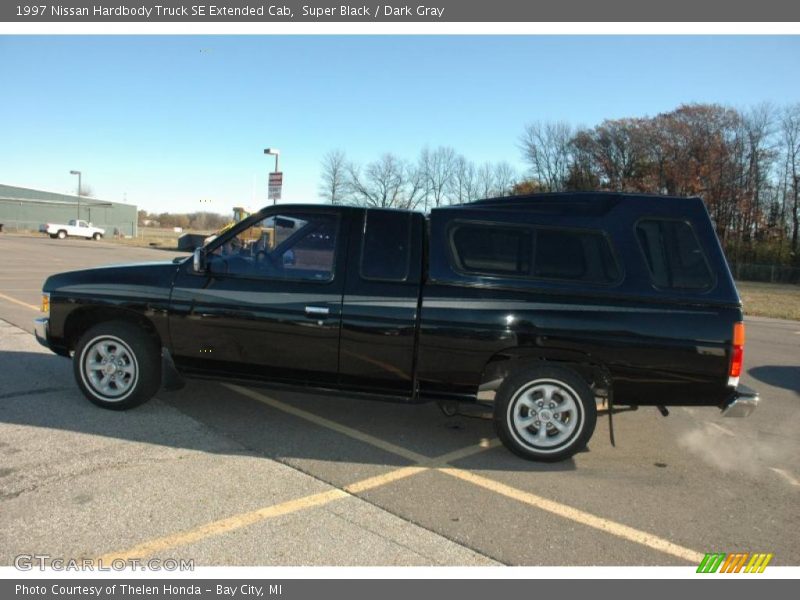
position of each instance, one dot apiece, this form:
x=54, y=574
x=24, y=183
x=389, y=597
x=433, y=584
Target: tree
x=388, y=182
x=463, y=184
x=333, y=185
x=546, y=146
x=504, y=177
x=437, y=167
x=790, y=138
x=485, y=180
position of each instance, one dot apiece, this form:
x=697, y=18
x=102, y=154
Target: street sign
x=275, y=185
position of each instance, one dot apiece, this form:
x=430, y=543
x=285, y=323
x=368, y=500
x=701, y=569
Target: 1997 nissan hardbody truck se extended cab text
x=551, y=300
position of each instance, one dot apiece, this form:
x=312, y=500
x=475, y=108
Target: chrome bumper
x=40, y=330
x=743, y=402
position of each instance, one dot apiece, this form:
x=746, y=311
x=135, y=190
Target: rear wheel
x=61, y=234
x=117, y=365
x=545, y=413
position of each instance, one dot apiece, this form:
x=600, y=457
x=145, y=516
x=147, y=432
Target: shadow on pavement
x=42, y=393
x=786, y=377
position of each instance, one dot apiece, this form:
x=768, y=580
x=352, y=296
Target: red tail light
x=737, y=356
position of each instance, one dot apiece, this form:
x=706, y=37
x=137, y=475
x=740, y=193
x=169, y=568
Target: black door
x=379, y=313
x=268, y=304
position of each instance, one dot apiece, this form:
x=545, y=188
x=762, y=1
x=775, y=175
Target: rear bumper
x=41, y=328
x=742, y=402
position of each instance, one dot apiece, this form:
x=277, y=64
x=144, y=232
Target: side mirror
x=199, y=260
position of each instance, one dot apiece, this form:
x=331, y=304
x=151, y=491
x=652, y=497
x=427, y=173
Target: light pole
x=273, y=152
x=78, y=173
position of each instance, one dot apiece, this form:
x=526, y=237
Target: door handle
x=317, y=310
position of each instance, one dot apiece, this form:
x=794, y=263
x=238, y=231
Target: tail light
x=737, y=356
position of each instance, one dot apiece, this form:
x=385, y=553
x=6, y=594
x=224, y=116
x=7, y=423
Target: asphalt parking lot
x=231, y=475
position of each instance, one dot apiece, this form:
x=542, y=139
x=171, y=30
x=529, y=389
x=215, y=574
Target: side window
x=385, y=249
x=493, y=250
x=568, y=255
x=673, y=255
x=574, y=256
x=288, y=246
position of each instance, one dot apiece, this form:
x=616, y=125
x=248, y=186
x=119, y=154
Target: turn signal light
x=45, y=303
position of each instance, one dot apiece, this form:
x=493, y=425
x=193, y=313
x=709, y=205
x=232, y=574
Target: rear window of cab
x=673, y=255
x=534, y=252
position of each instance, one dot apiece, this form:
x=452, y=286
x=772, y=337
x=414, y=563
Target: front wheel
x=96, y=236
x=117, y=365
x=545, y=413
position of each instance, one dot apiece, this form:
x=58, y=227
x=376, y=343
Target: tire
x=528, y=404
x=96, y=236
x=135, y=377
x=61, y=234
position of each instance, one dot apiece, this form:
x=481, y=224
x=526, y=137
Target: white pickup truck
x=76, y=227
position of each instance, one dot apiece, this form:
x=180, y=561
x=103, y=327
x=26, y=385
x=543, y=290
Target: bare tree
x=758, y=125
x=790, y=137
x=504, y=179
x=381, y=184
x=333, y=185
x=463, y=185
x=414, y=187
x=438, y=167
x=546, y=147
x=485, y=183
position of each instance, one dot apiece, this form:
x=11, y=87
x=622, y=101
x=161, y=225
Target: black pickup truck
x=539, y=305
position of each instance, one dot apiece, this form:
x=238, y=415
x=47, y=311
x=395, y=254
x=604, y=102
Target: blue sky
x=168, y=121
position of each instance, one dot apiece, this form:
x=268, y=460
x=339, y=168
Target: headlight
x=45, y=303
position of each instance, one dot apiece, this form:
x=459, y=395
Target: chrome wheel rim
x=545, y=415
x=109, y=368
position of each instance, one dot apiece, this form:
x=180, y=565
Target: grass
x=776, y=300
x=153, y=237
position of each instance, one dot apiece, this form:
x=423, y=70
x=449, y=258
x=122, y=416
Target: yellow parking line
x=439, y=463
x=565, y=511
x=379, y=480
x=483, y=445
x=328, y=424
x=579, y=516
x=224, y=525
x=233, y=522
x=20, y=302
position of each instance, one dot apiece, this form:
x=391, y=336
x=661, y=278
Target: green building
x=25, y=209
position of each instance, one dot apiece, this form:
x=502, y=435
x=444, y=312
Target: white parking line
x=786, y=475
x=720, y=428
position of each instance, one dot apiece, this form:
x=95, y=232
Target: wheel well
x=501, y=365
x=82, y=319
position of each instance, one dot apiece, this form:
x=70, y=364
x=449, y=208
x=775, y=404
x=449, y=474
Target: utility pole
x=78, y=173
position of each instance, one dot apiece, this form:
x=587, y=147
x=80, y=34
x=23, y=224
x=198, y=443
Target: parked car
x=76, y=228
x=550, y=301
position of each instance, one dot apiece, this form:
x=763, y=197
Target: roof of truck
x=582, y=197
x=597, y=203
